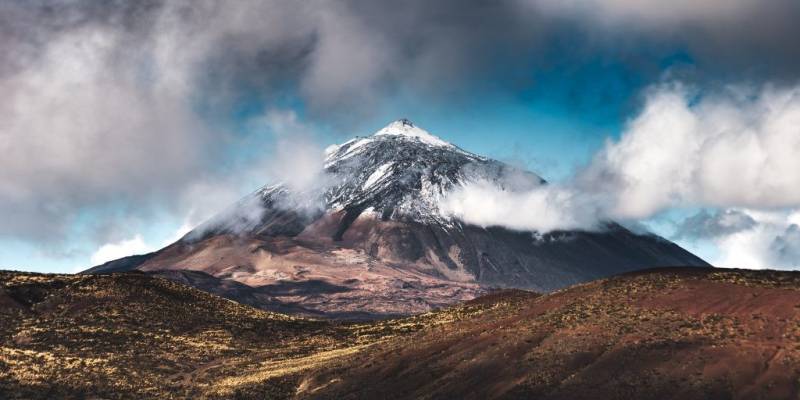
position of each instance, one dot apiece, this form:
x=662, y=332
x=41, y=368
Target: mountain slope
x=689, y=333
x=673, y=333
x=375, y=235
x=134, y=336
x=131, y=336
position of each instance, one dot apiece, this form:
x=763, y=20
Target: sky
x=125, y=124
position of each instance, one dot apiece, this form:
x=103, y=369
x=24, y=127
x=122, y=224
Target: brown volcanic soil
x=669, y=333
x=134, y=336
x=326, y=280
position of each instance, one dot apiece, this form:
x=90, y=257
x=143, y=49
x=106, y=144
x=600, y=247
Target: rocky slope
x=677, y=333
x=371, y=239
x=662, y=334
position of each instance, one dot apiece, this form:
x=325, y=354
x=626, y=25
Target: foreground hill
x=660, y=334
x=682, y=333
x=372, y=237
x=136, y=336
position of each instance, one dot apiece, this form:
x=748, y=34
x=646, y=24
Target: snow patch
x=405, y=128
x=332, y=149
x=351, y=150
x=379, y=174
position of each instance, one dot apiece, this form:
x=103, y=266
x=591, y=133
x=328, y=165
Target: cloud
x=103, y=107
x=78, y=129
x=714, y=225
x=542, y=209
x=739, y=39
x=733, y=149
x=653, y=13
x=785, y=248
x=294, y=170
x=773, y=241
x=736, y=148
x=298, y=159
x=130, y=246
x=130, y=105
x=124, y=248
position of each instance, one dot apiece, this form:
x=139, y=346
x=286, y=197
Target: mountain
x=372, y=240
x=672, y=333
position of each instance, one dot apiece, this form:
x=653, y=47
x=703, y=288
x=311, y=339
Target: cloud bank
x=773, y=241
x=542, y=209
x=734, y=149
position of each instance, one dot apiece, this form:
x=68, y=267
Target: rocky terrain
x=371, y=240
x=135, y=336
x=687, y=333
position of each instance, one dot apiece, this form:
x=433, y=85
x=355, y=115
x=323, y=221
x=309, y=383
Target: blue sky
x=120, y=136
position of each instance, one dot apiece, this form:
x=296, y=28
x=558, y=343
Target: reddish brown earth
x=312, y=277
x=676, y=333
x=667, y=334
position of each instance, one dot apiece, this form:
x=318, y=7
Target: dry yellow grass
x=138, y=337
x=134, y=336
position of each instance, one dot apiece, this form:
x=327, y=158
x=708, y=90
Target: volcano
x=373, y=241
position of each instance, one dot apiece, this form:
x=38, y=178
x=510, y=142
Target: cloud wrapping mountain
x=733, y=149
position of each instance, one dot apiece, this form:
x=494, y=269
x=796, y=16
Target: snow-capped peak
x=405, y=128
x=401, y=171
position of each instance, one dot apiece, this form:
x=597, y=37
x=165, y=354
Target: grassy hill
x=668, y=333
x=135, y=336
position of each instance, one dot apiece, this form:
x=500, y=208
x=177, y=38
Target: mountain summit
x=373, y=240
x=405, y=128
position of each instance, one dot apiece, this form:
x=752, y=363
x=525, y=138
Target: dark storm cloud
x=731, y=39
x=109, y=102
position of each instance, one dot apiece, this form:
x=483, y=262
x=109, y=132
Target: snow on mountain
x=406, y=129
x=379, y=174
x=373, y=239
x=401, y=171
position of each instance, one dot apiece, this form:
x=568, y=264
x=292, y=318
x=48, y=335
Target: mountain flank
x=372, y=241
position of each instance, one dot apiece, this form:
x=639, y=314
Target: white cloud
x=298, y=159
x=182, y=230
x=78, y=129
x=542, y=209
x=124, y=248
x=773, y=242
x=734, y=149
x=133, y=246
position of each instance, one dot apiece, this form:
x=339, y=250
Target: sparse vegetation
x=134, y=336
x=700, y=333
